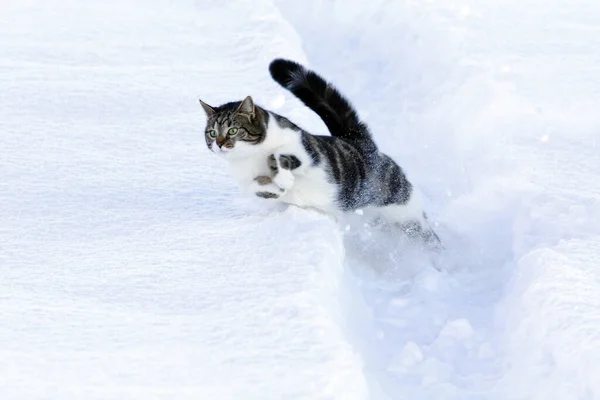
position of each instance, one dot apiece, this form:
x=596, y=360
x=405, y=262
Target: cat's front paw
x=263, y=180
x=264, y=187
x=284, y=179
x=267, y=195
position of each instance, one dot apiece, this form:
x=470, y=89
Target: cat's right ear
x=207, y=109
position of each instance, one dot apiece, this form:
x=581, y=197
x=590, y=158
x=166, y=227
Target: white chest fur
x=245, y=170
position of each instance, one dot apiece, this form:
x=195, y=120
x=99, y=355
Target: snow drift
x=132, y=267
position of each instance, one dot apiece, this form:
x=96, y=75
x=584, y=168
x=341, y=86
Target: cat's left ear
x=207, y=109
x=247, y=107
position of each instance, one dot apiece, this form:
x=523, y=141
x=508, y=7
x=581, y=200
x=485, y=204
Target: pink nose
x=220, y=142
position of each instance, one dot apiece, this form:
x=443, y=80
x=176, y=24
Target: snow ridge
x=132, y=267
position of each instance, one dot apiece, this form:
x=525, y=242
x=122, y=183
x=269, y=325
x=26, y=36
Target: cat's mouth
x=223, y=149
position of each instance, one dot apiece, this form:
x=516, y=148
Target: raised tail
x=320, y=96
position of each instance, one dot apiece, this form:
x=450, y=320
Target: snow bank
x=131, y=266
x=552, y=311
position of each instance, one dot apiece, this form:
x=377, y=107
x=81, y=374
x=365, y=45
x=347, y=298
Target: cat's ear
x=247, y=107
x=207, y=109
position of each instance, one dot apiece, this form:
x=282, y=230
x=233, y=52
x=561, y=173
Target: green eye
x=232, y=131
x=212, y=133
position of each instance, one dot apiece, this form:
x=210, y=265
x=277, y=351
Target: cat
x=273, y=158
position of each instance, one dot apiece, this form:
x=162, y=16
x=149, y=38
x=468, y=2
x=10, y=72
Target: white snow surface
x=132, y=267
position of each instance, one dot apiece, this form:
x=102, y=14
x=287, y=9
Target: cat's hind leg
x=409, y=218
x=423, y=232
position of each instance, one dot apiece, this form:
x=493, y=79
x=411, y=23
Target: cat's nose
x=220, y=142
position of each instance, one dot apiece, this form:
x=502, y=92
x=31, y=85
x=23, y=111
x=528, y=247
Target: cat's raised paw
x=267, y=195
x=284, y=179
x=263, y=180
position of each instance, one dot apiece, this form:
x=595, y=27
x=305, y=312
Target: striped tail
x=320, y=96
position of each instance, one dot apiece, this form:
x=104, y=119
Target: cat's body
x=273, y=158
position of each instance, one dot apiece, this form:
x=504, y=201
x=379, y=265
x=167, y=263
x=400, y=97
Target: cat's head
x=234, y=129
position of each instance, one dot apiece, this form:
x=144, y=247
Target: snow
x=132, y=267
